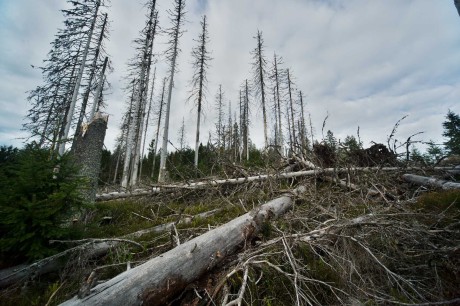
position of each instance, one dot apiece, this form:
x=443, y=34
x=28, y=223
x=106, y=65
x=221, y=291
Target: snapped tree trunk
x=159, y=279
x=88, y=154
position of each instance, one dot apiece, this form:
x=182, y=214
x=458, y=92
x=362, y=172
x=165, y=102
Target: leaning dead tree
x=157, y=280
x=175, y=32
x=140, y=71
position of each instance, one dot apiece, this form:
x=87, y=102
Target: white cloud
x=366, y=63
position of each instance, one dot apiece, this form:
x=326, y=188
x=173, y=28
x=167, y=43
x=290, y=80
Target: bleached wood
x=430, y=181
x=155, y=281
x=235, y=181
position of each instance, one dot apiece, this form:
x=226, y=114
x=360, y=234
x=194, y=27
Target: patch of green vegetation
x=439, y=201
x=38, y=196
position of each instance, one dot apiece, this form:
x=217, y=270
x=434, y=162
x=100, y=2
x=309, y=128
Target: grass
x=400, y=243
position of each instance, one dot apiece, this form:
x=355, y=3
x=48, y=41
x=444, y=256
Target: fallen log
x=430, y=181
x=235, y=181
x=241, y=180
x=92, y=249
x=157, y=280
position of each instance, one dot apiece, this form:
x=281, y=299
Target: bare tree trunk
x=291, y=106
x=129, y=142
x=77, y=83
x=143, y=90
x=90, y=80
x=88, y=154
x=117, y=164
x=160, y=113
x=302, y=127
x=246, y=123
x=278, y=103
x=175, y=41
x=147, y=122
x=262, y=83
x=100, y=86
x=430, y=181
x=157, y=280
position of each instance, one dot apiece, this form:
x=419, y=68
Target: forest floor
x=382, y=242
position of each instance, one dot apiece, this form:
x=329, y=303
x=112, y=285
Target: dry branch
x=235, y=181
x=91, y=248
x=241, y=180
x=160, y=278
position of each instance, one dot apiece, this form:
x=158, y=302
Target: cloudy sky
x=363, y=63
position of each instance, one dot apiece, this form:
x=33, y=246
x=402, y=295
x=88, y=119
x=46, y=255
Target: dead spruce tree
x=70, y=113
x=159, y=115
x=199, y=81
x=302, y=126
x=291, y=111
x=72, y=47
x=149, y=110
x=174, y=32
x=140, y=70
x=220, y=118
x=276, y=76
x=259, y=74
x=245, y=120
x=92, y=74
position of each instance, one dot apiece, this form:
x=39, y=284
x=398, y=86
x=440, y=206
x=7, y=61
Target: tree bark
x=88, y=154
x=159, y=279
x=430, y=181
x=77, y=84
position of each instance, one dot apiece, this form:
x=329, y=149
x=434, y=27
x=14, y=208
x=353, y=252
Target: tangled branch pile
x=368, y=238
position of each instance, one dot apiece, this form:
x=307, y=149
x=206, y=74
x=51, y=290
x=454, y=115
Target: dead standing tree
x=140, y=67
x=175, y=32
x=73, y=45
x=276, y=76
x=220, y=118
x=259, y=71
x=70, y=113
x=159, y=116
x=199, y=81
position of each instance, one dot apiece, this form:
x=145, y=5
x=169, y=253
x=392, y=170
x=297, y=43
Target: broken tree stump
x=87, y=154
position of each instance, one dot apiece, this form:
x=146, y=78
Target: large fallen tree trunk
x=430, y=181
x=92, y=249
x=157, y=280
x=241, y=180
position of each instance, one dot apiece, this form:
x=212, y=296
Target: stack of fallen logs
x=157, y=280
